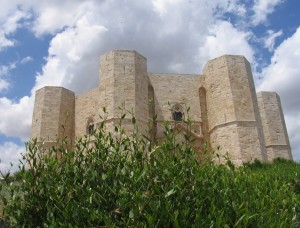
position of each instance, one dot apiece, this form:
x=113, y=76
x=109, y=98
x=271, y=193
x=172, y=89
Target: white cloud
x=283, y=76
x=262, y=8
x=10, y=153
x=4, y=42
x=8, y=7
x=73, y=57
x=223, y=39
x=4, y=73
x=8, y=25
x=269, y=41
x=56, y=15
x=5, y=69
x=26, y=59
x=162, y=6
x=16, y=117
x=4, y=85
x=12, y=22
x=145, y=27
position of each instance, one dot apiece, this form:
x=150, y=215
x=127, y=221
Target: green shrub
x=121, y=180
x=256, y=164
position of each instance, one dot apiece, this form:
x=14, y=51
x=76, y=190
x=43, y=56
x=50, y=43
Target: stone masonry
x=223, y=104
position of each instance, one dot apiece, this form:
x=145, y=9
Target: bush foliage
x=120, y=180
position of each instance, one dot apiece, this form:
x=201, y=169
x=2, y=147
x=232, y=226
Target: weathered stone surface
x=275, y=133
x=222, y=101
x=53, y=115
x=233, y=116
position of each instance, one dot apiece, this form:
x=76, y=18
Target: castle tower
x=124, y=82
x=53, y=115
x=232, y=109
x=275, y=133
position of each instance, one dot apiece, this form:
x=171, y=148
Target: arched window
x=90, y=127
x=177, y=112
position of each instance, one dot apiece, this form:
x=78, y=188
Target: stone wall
x=232, y=109
x=170, y=90
x=275, y=133
x=141, y=92
x=86, y=108
x=53, y=116
x=222, y=104
x=124, y=87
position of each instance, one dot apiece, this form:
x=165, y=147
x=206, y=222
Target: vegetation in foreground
x=124, y=181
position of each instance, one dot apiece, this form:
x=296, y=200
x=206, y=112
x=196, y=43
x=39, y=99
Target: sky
x=58, y=43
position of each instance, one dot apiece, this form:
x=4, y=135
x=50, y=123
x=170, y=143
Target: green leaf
x=239, y=221
x=131, y=214
x=169, y=193
x=104, y=176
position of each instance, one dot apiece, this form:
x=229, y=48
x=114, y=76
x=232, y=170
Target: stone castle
x=222, y=101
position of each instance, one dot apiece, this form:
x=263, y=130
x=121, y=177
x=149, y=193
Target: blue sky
x=59, y=43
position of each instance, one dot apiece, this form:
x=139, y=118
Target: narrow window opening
x=177, y=116
x=90, y=129
x=177, y=113
x=90, y=126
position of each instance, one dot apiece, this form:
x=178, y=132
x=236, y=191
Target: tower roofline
x=224, y=56
x=52, y=87
x=126, y=50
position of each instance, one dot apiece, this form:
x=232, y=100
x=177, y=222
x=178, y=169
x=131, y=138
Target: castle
x=222, y=101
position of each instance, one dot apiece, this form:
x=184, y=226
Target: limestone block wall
x=275, y=133
x=256, y=113
x=53, y=108
x=231, y=109
x=204, y=116
x=106, y=85
x=124, y=84
x=246, y=108
x=86, y=108
x=152, y=124
x=222, y=102
x=220, y=109
x=171, y=89
x=37, y=115
x=142, y=105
